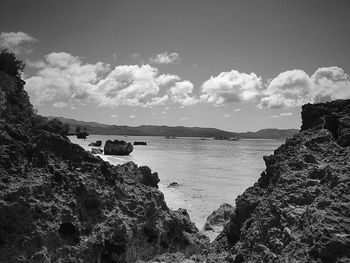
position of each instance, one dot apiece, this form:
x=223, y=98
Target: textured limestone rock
x=118, y=148
x=299, y=210
x=59, y=203
x=96, y=151
x=98, y=143
x=219, y=217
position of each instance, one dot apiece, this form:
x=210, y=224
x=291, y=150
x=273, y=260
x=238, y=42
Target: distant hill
x=179, y=131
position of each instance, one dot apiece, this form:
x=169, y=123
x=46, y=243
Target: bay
x=208, y=172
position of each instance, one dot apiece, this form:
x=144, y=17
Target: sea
x=208, y=172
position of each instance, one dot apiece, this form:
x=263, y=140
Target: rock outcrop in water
x=117, y=147
x=59, y=203
x=98, y=143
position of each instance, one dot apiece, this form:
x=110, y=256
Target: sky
x=237, y=65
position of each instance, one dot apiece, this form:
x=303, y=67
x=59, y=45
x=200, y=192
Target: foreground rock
x=96, y=144
x=219, y=218
x=59, y=203
x=117, y=147
x=299, y=210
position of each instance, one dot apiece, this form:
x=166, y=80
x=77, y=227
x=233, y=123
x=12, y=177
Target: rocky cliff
x=59, y=203
x=299, y=210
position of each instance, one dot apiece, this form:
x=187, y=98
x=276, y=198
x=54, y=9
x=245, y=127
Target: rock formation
x=299, y=210
x=82, y=135
x=140, y=143
x=96, y=151
x=219, y=218
x=117, y=147
x=98, y=143
x=59, y=203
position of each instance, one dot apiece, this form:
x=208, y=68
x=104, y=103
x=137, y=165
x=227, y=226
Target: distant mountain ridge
x=179, y=131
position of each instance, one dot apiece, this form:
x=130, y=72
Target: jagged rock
x=147, y=177
x=96, y=151
x=173, y=184
x=140, y=143
x=59, y=203
x=117, y=147
x=98, y=143
x=219, y=217
x=299, y=209
x=82, y=135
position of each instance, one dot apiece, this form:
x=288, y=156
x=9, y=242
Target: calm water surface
x=209, y=172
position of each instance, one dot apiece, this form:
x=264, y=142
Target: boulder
x=96, y=144
x=82, y=135
x=96, y=151
x=173, y=184
x=219, y=217
x=140, y=143
x=117, y=147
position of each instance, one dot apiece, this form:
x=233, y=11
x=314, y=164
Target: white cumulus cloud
x=165, y=58
x=165, y=79
x=289, y=89
x=181, y=93
x=231, y=86
x=64, y=77
x=295, y=88
x=17, y=42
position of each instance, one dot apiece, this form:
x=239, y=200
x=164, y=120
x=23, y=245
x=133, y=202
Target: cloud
x=295, y=88
x=180, y=93
x=185, y=118
x=114, y=116
x=158, y=101
x=63, y=77
x=289, y=89
x=132, y=116
x=131, y=85
x=17, y=42
x=227, y=115
x=60, y=104
x=230, y=87
x=165, y=58
x=237, y=110
x=330, y=83
x=165, y=79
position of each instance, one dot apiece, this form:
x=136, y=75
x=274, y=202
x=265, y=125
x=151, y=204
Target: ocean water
x=208, y=172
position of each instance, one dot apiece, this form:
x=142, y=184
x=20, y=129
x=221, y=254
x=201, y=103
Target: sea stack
x=117, y=147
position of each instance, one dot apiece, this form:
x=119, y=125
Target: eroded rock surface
x=98, y=143
x=299, y=210
x=219, y=217
x=117, y=147
x=59, y=203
